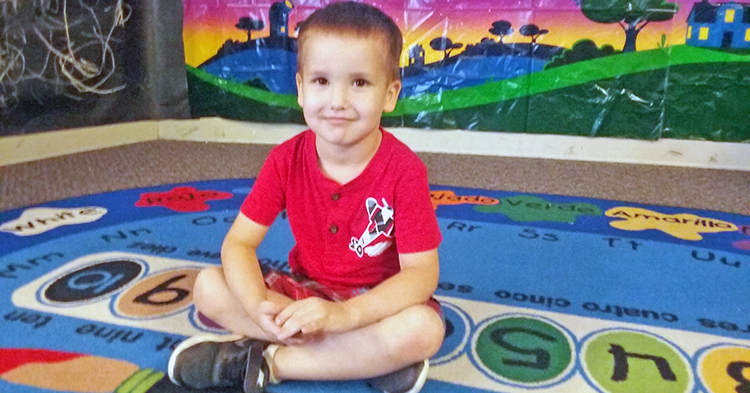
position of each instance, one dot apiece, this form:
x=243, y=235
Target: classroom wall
x=203, y=44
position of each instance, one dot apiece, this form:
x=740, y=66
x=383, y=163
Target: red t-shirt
x=347, y=235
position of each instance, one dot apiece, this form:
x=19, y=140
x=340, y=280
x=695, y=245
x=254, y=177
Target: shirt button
x=335, y=197
x=333, y=229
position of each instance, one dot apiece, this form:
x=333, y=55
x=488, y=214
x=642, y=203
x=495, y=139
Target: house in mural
x=719, y=25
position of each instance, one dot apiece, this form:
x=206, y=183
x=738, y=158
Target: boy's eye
x=320, y=81
x=360, y=82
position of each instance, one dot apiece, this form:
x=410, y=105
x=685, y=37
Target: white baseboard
x=22, y=148
x=671, y=152
x=214, y=129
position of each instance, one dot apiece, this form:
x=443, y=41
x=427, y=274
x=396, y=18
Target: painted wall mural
x=643, y=69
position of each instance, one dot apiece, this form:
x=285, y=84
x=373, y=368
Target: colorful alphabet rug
x=541, y=293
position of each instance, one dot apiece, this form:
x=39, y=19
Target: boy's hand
x=313, y=315
x=266, y=320
x=267, y=312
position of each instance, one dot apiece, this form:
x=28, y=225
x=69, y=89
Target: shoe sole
x=422, y=378
x=192, y=341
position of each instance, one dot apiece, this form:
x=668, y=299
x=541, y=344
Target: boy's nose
x=339, y=97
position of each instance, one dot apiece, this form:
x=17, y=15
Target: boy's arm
x=414, y=284
x=243, y=274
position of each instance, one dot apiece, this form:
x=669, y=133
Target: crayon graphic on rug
x=79, y=373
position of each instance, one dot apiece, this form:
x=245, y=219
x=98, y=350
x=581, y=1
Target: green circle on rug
x=524, y=350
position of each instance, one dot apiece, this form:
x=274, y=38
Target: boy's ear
x=298, y=79
x=391, y=95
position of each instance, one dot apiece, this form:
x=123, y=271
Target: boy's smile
x=344, y=86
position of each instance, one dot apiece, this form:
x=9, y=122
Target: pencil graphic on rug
x=79, y=373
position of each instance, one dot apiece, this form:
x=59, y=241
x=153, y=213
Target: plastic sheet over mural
x=640, y=69
x=74, y=63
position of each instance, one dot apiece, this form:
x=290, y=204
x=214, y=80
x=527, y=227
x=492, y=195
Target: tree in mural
x=444, y=44
x=532, y=31
x=250, y=25
x=582, y=50
x=631, y=15
x=501, y=28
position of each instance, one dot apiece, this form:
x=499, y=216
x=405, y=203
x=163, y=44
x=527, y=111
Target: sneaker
x=212, y=361
x=407, y=380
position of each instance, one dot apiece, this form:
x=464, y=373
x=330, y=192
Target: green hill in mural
x=214, y=96
x=640, y=94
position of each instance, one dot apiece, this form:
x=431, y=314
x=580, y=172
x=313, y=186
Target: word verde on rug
x=541, y=293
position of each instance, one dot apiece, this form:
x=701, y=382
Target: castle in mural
x=719, y=25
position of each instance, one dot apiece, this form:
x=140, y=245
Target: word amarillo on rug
x=683, y=226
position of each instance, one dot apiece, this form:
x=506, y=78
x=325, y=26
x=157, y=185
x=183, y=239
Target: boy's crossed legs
x=394, y=343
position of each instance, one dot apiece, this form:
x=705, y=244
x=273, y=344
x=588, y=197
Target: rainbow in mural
x=577, y=67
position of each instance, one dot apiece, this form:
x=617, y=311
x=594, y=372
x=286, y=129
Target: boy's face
x=344, y=86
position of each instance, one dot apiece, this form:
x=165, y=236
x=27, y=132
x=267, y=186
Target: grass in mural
x=620, y=95
x=576, y=74
x=712, y=107
x=705, y=101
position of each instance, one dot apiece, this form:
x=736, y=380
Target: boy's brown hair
x=359, y=19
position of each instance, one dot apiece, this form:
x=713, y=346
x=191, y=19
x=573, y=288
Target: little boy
x=358, y=301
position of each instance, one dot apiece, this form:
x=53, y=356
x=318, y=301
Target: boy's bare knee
x=422, y=334
x=204, y=290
